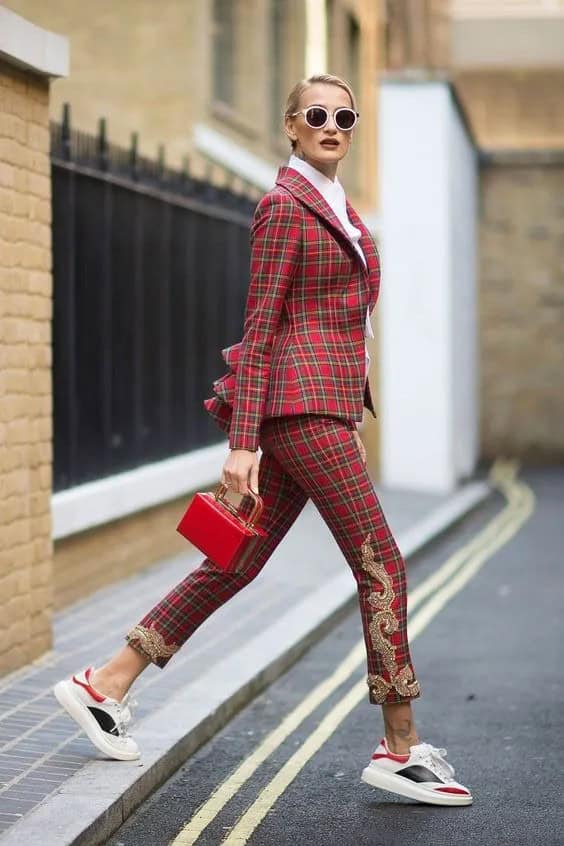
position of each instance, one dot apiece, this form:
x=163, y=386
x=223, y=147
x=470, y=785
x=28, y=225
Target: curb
x=89, y=808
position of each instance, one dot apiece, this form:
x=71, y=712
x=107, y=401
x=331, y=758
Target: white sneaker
x=103, y=719
x=422, y=775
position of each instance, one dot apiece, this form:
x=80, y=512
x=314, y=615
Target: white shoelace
x=125, y=714
x=434, y=756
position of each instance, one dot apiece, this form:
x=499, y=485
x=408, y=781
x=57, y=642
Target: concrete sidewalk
x=57, y=790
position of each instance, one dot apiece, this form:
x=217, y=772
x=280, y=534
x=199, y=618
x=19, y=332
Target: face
x=323, y=148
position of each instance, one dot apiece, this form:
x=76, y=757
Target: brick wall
x=522, y=309
x=25, y=375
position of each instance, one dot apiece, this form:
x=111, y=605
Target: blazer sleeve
x=275, y=251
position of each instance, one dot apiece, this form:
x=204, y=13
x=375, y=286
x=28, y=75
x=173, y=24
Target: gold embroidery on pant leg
x=379, y=687
x=384, y=622
x=404, y=683
x=152, y=643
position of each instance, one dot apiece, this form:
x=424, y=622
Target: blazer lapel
x=301, y=188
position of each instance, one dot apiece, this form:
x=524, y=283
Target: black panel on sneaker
x=418, y=773
x=104, y=720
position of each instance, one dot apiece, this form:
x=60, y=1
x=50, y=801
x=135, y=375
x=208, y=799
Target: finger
x=255, y=478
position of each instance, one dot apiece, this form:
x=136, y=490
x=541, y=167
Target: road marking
x=520, y=503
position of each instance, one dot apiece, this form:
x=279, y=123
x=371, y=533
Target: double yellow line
x=440, y=587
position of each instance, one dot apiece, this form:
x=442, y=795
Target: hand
x=240, y=470
x=360, y=445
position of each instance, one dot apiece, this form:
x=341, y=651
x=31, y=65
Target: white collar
x=324, y=185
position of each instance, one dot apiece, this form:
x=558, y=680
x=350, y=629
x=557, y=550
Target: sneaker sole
x=81, y=715
x=400, y=785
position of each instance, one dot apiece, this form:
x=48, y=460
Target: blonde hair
x=294, y=97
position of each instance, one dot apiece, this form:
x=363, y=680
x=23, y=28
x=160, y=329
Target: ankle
x=109, y=684
x=401, y=745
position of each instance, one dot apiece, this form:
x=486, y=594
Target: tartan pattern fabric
x=311, y=456
x=303, y=345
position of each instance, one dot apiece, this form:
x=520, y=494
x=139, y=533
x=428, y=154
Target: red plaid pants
x=307, y=456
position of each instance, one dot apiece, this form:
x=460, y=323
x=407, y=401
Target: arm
x=275, y=249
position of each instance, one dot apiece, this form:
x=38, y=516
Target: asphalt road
x=491, y=670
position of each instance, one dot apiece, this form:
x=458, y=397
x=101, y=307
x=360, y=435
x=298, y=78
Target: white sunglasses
x=317, y=117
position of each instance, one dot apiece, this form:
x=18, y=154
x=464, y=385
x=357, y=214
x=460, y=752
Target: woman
x=296, y=387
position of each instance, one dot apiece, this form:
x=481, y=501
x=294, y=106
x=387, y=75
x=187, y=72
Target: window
x=353, y=78
x=353, y=53
x=224, y=51
x=330, y=18
x=277, y=65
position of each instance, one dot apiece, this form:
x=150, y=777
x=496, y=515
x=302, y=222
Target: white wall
x=428, y=400
x=463, y=182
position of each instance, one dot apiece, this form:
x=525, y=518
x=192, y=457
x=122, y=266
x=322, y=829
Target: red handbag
x=216, y=527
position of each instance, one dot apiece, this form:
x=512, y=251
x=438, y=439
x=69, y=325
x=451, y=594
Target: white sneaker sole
x=402, y=786
x=81, y=715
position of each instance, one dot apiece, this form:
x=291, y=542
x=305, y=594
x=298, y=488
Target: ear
x=289, y=129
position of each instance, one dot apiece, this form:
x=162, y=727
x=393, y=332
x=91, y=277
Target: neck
x=328, y=169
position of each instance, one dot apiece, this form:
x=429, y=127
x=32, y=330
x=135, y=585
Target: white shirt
x=333, y=193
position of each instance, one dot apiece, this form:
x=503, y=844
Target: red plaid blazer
x=303, y=341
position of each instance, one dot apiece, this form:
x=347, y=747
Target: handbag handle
x=219, y=494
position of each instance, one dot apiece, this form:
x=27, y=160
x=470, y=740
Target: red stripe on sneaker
x=93, y=693
x=451, y=790
x=402, y=759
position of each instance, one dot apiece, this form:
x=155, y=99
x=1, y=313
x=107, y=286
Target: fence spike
x=210, y=188
x=103, y=143
x=184, y=180
x=66, y=131
x=134, y=155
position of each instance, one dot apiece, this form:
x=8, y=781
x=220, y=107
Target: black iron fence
x=150, y=281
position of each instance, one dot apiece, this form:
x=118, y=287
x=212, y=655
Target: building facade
x=208, y=79
x=508, y=69
x=464, y=372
